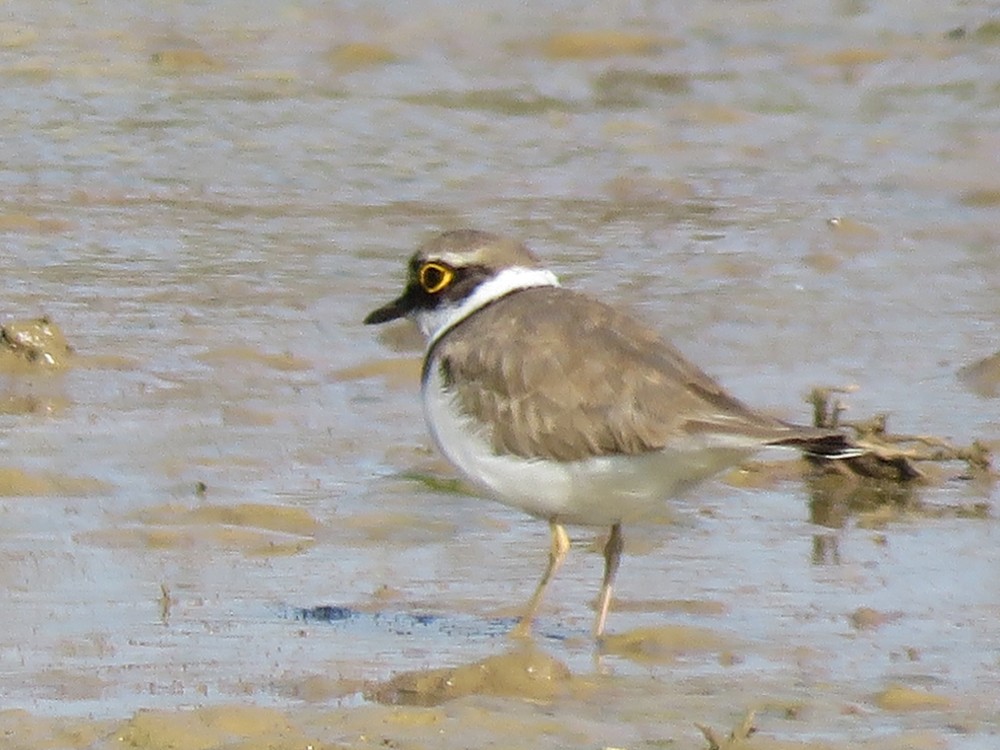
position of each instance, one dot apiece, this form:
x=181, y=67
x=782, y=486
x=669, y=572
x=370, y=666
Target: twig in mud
x=736, y=737
x=887, y=455
x=825, y=412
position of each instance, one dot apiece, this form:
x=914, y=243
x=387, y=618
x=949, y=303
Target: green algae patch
x=397, y=372
x=700, y=607
x=233, y=727
x=575, y=45
x=258, y=515
x=515, y=102
x=281, y=518
x=21, y=730
x=663, y=644
x=763, y=475
x=986, y=197
x=900, y=698
x=848, y=57
x=281, y=362
x=632, y=88
x=256, y=529
x=17, y=482
x=23, y=223
x=184, y=60
x=354, y=55
x=989, y=33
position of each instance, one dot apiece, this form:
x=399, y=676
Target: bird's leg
x=557, y=553
x=612, y=556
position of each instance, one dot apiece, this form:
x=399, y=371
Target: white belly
x=596, y=491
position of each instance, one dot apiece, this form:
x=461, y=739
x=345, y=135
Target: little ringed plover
x=561, y=405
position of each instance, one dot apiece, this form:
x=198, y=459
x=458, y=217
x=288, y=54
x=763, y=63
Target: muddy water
x=223, y=523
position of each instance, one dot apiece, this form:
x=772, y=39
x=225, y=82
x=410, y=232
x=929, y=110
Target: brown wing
x=522, y=365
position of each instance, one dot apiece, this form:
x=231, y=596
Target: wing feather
x=561, y=376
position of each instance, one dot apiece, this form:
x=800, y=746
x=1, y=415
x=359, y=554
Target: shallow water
x=209, y=198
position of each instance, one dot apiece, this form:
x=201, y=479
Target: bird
x=562, y=405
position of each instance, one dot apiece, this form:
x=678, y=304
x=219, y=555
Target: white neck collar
x=435, y=323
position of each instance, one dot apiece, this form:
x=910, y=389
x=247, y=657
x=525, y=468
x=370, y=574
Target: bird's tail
x=821, y=444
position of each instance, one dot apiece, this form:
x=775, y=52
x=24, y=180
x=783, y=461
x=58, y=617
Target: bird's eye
x=434, y=277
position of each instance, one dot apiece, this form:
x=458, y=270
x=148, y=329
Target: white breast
x=597, y=491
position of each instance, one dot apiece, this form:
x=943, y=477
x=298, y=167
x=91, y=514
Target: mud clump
x=866, y=618
x=522, y=673
x=34, y=343
x=982, y=377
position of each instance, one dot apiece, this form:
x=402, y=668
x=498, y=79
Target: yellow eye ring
x=434, y=277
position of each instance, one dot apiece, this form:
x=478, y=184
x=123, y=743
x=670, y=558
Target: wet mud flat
x=221, y=522
x=689, y=687
x=753, y=659
x=524, y=697
x=692, y=676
